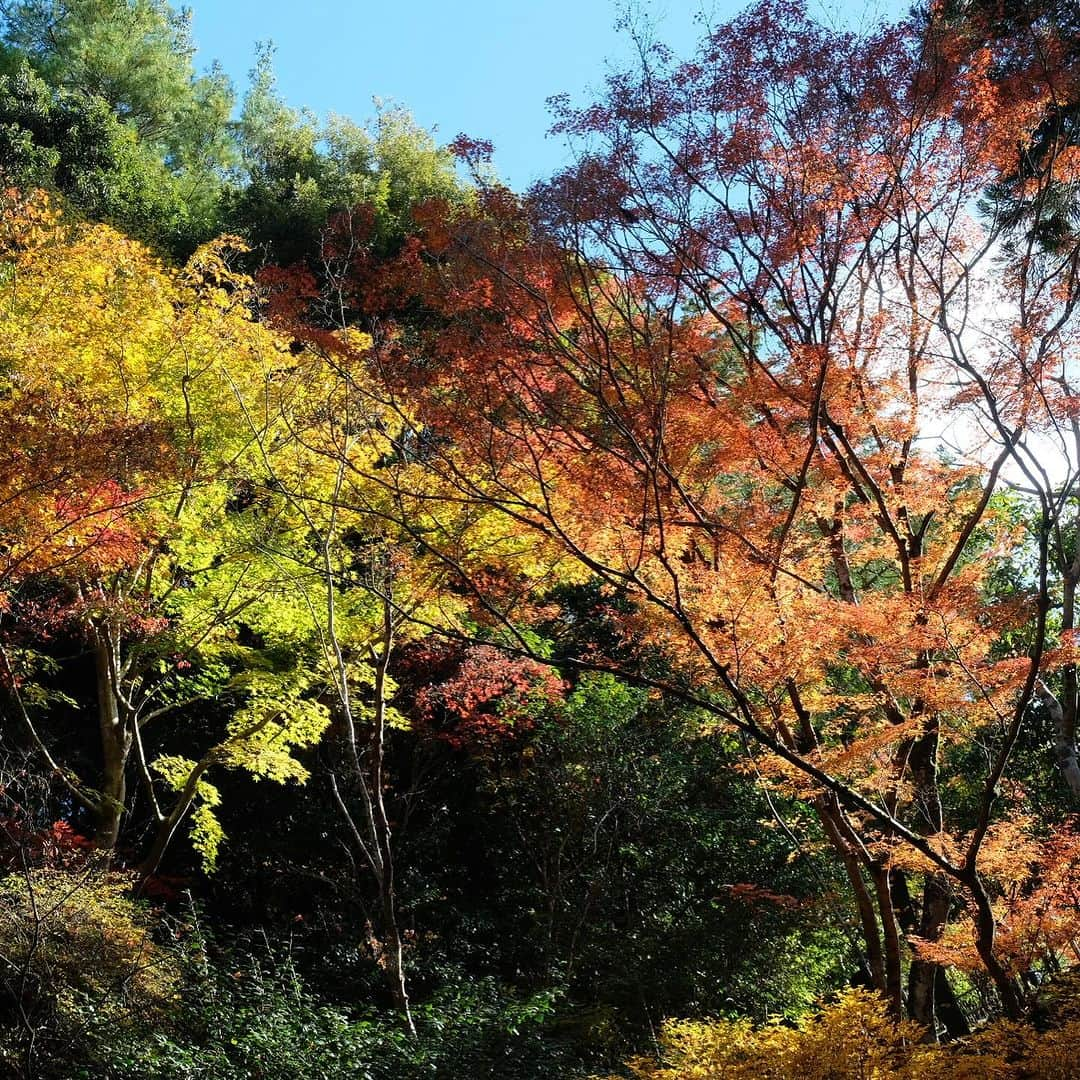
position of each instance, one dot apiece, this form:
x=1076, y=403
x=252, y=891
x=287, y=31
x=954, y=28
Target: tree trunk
x=985, y=930
x=115, y=750
x=891, y=937
x=394, y=954
x=1063, y=713
x=171, y=822
x=923, y=977
x=946, y=1004
x=374, y=839
x=1064, y=721
x=948, y=1007
x=393, y=949
x=937, y=894
x=829, y=812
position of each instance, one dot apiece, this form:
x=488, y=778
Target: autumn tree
x=756, y=363
x=1044, y=34
x=128, y=528
x=347, y=462
x=355, y=587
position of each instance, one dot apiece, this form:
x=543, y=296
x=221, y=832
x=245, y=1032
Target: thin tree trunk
x=1064, y=720
x=828, y=811
x=1063, y=712
x=891, y=938
x=167, y=827
x=367, y=767
x=937, y=893
x=393, y=947
x=115, y=749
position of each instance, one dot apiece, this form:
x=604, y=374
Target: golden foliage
x=80, y=941
x=854, y=1038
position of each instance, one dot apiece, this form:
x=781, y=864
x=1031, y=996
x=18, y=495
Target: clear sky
x=483, y=67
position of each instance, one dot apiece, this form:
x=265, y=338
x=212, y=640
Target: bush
x=854, y=1038
x=77, y=958
x=262, y=1023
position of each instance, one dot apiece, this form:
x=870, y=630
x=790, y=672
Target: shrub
x=77, y=956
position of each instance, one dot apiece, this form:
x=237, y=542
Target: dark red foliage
x=477, y=698
x=58, y=846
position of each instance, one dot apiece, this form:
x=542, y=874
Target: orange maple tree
x=763, y=364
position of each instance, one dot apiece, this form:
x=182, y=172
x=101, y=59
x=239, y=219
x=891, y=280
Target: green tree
x=74, y=144
x=297, y=171
x=136, y=55
x=101, y=102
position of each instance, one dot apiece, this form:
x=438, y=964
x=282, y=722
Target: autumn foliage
x=758, y=420
x=760, y=363
x=854, y=1038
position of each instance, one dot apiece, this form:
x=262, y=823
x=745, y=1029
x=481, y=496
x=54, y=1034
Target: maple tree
x=722, y=366
x=1041, y=33
x=486, y=698
x=345, y=460
x=122, y=385
x=58, y=503
x=352, y=585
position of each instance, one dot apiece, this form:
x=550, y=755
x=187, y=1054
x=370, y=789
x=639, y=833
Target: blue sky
x=484, y=67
